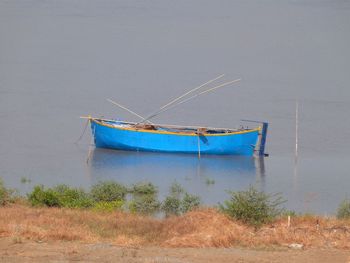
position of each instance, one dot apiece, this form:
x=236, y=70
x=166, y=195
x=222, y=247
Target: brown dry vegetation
x=201, y=228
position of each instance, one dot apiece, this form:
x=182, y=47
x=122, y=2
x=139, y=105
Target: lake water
x=62, y=59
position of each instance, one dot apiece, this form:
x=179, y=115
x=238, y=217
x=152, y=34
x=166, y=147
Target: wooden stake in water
x=199, y=146
x=296, y=128
x=295, y=177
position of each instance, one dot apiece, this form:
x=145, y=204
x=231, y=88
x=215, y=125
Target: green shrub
x=179, y=201
x=6, y=195
x=108, y=206
x=60, y=196
x=343, y=211
x=176, y=190
x=189, y=202
x=144, y=188
x=144, y=205
x=144, y=198
x=73, y=197
x=253, y=207
x=25, y=180
x=108, y=191
x=3, y=193
x=209, y=181
x=39, y=196
x=171, y=206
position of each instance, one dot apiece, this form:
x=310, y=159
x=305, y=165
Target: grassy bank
x=198, y=228
x=124, y=215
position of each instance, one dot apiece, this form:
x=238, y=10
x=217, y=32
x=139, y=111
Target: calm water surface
x=61, y=59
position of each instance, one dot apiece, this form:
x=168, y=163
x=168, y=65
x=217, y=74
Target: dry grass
x=201, y=228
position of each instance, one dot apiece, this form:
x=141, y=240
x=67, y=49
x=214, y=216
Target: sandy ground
x=12, y=250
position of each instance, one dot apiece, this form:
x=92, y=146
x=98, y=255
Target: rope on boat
x=83, y=133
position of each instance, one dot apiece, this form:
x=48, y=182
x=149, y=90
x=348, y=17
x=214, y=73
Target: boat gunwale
x=102, y=122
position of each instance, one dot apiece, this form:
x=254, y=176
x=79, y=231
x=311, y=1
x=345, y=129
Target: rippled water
x=61, y=59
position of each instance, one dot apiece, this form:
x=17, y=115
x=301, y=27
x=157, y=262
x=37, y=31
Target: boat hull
x=237, y=143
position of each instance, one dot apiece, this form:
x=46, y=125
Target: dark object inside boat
x=145, y=126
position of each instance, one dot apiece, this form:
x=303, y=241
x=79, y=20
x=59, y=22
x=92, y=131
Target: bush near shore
x=250, y=207
x=7, y=195
x=110, y=196
x=253, y=207
x=344, y=209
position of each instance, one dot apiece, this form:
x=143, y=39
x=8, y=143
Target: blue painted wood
x=263, y=139
x=261, y=150
x=112, y=134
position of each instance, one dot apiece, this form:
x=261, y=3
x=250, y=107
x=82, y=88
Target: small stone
x=296, y=246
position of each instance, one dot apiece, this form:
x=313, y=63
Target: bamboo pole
x=125, y=108
x=192, y=97
x=180, y=97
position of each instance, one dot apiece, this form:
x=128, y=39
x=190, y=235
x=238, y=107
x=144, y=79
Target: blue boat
x=131, y=136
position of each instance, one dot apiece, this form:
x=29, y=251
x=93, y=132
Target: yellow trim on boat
x=173, y=133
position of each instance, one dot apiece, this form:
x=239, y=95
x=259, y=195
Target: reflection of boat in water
x=117, y=164
x=227, y=172
x=123, y=160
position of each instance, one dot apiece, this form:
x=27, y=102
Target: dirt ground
x=12, y=250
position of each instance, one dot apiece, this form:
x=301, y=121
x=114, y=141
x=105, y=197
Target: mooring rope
x=82, y=134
